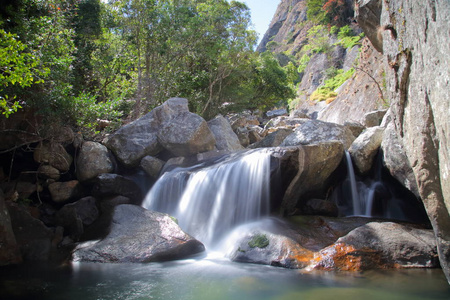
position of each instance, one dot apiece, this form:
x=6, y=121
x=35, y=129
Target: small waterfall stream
x=209, y=201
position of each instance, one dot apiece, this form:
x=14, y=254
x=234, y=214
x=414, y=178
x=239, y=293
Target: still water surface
x=215, y=278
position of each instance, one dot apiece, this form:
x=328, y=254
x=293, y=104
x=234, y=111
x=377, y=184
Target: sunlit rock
x=380, y=245
x=93, y=160
x=226, y=139
x=364, y=149
x=139, y=235
x=314, y=131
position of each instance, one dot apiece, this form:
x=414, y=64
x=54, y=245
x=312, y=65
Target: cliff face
x=288, y=27
x=413, y=36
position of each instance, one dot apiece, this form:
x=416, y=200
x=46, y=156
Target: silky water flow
x=210, y=200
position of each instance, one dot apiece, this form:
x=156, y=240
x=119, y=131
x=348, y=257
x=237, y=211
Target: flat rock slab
x=139, y=235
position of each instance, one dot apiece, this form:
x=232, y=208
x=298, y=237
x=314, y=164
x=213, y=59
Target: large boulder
x=138, y=235
x=152, y=166
x=94, y=159
x=135, y=140
x=225, y=137
x=314, y=131
x=314, y=165
x=417, y=84
x=381, y=245
x=139, y=138
x=273, y=139
x=185, y=135
x=261, y=247
x=33, y=237
x=9, y=250
x=365, y=147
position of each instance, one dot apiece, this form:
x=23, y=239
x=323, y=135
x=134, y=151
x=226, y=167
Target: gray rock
x=396, y=161
x=64, y=191
x=138, y=235
x=139, y=138
x=226, y=139
x=135, y=140
x=33, y=237
x=115, y=185
x=152, y=166
x=185, y=135
x=273, y=139
x=364, y=149
x=75, y=216
x=355, y=127
x=93, y=160
x=368, y=15
x=418, y=81
x=276, y=113
x=261, y=247
x=319, y=207
x=54, y=154
x=9, y=250
x=374, y=118
x=313, y=165
x=314, y=131
x=381, y=245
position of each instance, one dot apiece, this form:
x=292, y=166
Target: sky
x=262, y=12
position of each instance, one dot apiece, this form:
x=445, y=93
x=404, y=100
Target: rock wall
x=414, y=39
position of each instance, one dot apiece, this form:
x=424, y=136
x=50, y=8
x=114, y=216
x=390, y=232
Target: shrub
x=326, y=91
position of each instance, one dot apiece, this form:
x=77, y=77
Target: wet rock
x=314, y=131
x=9, y=250
x=374, y=118
x=54, y=154
x=364, y=149
x=64, y=191
x=185, y=135
x=152, y=166
x=266, y=248
x=225, y=137
x=33, y=237
x=381, y=245
x=314, y=165
x=138, y=235
x=93, y=160
x=105, y=185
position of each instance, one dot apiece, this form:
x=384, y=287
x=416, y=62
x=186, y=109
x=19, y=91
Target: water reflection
x=212, y=277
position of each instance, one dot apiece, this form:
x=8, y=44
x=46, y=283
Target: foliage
x=315, y=11
x=347, y=37
x=338, y=11
x=259, y=240
x=327, y=90
x=17, y=68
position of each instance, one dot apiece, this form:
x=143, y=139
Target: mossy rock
x=260, y=241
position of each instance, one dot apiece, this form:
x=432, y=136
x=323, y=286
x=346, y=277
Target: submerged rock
x=139, y=235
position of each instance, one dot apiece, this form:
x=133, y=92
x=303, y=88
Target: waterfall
x=377, y=194
x=210, y=200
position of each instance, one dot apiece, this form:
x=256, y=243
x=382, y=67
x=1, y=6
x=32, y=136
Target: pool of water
x=214, y=278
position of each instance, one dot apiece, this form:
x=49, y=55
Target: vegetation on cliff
x=83, y=61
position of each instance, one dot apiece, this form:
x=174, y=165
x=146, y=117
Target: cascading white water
x=210, y=201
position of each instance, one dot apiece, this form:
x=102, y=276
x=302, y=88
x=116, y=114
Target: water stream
x=210, y=200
